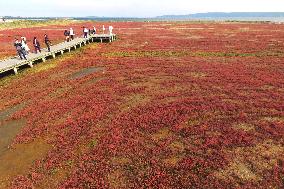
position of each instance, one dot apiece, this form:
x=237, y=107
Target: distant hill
x=231, y=16
x=225, y=15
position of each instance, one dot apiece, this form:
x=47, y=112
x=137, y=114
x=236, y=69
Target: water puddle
x=9, y=128
x=8, y=131
x=10, y=111
x=17, y=161
x=86, y=72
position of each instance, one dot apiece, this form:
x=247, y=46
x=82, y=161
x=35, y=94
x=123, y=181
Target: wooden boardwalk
x=15, y=62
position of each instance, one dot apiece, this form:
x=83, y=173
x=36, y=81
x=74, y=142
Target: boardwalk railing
x=15, y=62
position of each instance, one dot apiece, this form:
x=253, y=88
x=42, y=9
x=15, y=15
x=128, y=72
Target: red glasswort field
x=167, y=105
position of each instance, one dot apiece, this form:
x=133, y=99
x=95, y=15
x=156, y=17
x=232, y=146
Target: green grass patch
x=33, y=23
x=93, y=143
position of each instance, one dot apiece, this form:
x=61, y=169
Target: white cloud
x=133, y=7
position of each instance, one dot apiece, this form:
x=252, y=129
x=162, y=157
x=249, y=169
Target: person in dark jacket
x=47, y=42
x=19, y=49
x=36, y=45
x=67, y=35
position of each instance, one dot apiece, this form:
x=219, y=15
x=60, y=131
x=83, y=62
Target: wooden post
x=75, y=47
x=53, y=55
x=62, y=52
x=69, y=49
x=31, y=64
x=15, y=71
x=101, y=40
x=43, y=59
x=80, y=45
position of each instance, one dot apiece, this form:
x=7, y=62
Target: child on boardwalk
x=36, y=45
x=19, y=49
x=47, y=42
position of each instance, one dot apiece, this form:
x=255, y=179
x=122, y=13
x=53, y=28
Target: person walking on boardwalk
x=19, y=49
x=110, y=28
x=94, y=30
x=85, y=31
x=72, y=34
x=104, y=29
x=36, y=45
x=47, y=42
x=67, y=35
x=25, y=45
x=90, y=31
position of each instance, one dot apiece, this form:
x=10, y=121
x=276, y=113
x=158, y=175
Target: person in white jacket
x=25, y=45
x=110, y=28
x=72, y=34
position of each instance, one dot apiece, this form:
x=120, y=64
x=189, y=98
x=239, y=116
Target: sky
x=132, y=8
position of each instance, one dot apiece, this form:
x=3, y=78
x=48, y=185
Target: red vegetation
x=179, y=105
